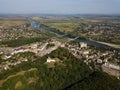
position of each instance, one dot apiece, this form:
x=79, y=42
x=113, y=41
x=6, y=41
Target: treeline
x=22, y=41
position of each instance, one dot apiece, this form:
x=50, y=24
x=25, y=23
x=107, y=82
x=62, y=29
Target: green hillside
x=69, y=73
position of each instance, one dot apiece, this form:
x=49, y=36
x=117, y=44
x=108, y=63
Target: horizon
x=78, y=14
x=60, y=7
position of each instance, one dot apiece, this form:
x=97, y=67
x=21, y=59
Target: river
x=36, y=25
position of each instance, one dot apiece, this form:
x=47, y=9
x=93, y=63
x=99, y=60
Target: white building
x=83, y=45
x=50, y=60
x=6, y=67
x=86, y=52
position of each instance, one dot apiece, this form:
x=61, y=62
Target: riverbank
x=108, y=44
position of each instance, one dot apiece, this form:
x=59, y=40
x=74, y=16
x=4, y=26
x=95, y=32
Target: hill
x=68, y=74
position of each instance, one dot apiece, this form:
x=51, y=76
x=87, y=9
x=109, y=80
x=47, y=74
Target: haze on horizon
x=60, y=6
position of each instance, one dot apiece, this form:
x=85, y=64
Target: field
x=63, y=27
x=63, y=24
x=8, y=22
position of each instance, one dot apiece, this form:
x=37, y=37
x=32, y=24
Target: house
x=6, y=67
x=6, y=56
x=86, y=52
x=99, y=61
x=83, y=45
x=62, y=45
x=50, y=60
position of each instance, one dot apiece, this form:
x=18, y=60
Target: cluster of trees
x=50, y=45
x=22, y=41
x=23, y=55
x=61, y=76
x=63, y=54
x=96, y=81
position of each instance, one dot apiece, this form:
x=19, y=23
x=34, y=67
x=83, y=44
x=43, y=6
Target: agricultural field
x=64, y=27
x=8, y=22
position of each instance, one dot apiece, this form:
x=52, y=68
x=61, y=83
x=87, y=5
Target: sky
x=60, y=6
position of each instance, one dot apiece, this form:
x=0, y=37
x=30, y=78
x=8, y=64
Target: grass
x=63, y=27
x=21, y=73
x=12, y=22
x=18, y=84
